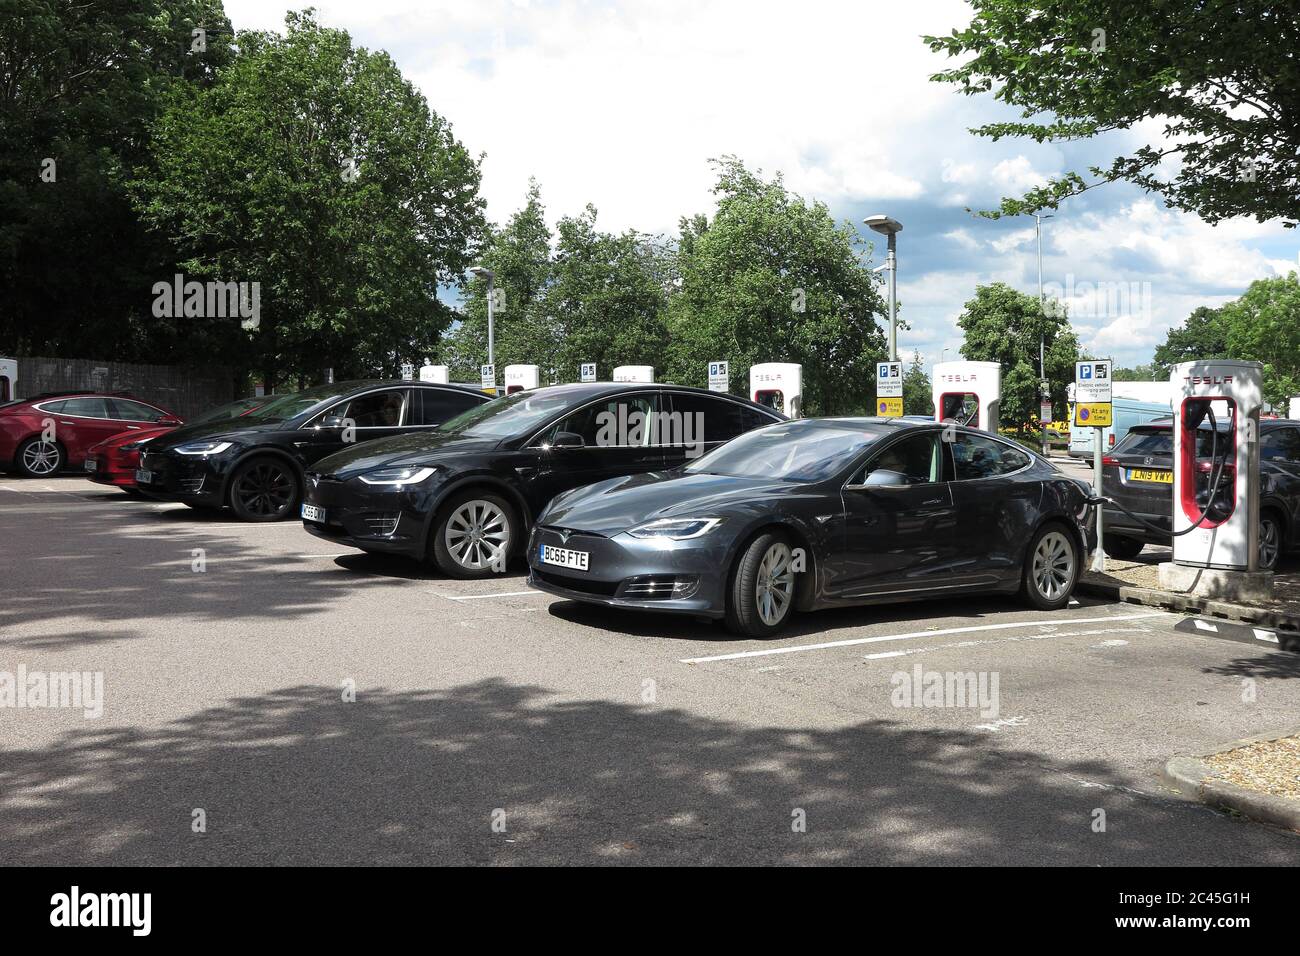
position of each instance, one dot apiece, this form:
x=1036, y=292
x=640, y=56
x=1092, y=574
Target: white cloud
x=1017, y=176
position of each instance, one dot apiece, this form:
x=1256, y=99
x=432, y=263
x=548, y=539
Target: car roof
x=1160, y=424
x=584, y=390
x=361, y=384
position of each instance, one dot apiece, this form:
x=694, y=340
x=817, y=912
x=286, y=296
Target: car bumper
x=110, y=471
x=390, y=522
x=651, y=574
x=182, y=478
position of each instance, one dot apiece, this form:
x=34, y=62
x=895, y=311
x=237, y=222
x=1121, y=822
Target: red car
x=42, y=435
x=114, y=460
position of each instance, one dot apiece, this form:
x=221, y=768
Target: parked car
x=1124, y=413
x=819, y=513
x=465, y=496
x=255, y=464
x=43, y=434
x=115, y=460
x=1139, y=474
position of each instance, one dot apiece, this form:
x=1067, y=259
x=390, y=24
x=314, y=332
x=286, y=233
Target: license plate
x=1151, y=474
x=143, y=476
x=564, y=558
x=313, y=513
x=91, y=464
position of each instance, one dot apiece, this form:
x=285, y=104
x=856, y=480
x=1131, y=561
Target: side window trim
x=872, y=453
x=1029, y=459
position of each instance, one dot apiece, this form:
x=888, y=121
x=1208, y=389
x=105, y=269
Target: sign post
x=488, y=378
x=719, y=377
x=1092, y=407
x=889, y=389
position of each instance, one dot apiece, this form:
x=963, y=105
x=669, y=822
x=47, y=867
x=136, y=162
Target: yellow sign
x=1092, y=414
x=889, y=407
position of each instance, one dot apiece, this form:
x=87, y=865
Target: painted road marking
x=911, y=635
x=476, y=597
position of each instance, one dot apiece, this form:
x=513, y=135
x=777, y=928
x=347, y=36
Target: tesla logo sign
x=1208, y=379
x=960, y=377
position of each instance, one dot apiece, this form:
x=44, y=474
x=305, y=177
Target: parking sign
x=1092, y=381
x=719, y=377
x=488, y=377
x=587, y=372
x=889, y=380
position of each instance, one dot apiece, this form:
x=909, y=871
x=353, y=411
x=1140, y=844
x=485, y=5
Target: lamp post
x=890, y=227
x=1043, y=387
x=483, y=272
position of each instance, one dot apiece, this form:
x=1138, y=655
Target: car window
x=511, y=415
x=1152, y=443
x=917, y=458
x=623, y=421
x=436, y=406
x=711, y=419
x=974, y=456
x=53, y=408
x=1282, y=444
x=786, y=452
x=85, y=408
x=134, y=411
x=377, y=410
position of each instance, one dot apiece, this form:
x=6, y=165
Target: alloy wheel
x=265, y=489
x=477, y=535
x=774, y=584
x=41, y=457
x=1270, y=543
x=1053, y=567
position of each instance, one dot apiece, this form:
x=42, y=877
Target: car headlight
x=398, y=476
x=202, y=448
x=678, y=529
x=133, y=445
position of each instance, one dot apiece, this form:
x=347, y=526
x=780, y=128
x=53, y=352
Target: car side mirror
x=332, y=421
x=568, y=440
x=884, y=478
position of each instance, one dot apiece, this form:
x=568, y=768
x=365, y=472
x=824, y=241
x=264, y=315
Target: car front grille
x=584, y=585
x=660, y=587
x=383, y=525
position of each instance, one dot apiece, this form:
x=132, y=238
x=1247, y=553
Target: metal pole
x=1042, y=312
x=1098, y=556
x=491, y=335
x=891, y=261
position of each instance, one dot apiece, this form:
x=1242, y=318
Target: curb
x=1192, y=777
x=1286, y=624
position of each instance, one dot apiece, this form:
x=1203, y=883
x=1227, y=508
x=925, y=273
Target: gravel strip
x=1269, y=766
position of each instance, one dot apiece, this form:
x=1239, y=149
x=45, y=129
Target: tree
x=81, y=84
x=1139, y=373
x=312, y=167
x=772, y=278
x=519, y=255
x=918, y=395
x=1004, y=326
x=1222, y=76
x=1264, y=326
x=1202, y=336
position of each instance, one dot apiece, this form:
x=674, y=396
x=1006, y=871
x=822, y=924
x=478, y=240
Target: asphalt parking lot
x=493, y=724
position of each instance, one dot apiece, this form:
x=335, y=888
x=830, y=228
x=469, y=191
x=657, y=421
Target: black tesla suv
x=255, y=464
x=1138, y=473
x=465, y=496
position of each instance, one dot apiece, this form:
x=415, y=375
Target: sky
x=622, y=105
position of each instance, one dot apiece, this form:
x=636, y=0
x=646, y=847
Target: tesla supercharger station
x=520, y=377
x=634, y=373
x=8, y=379
x=1216, y=479
x=968, y=393
x=433, y=373
x=778, y=385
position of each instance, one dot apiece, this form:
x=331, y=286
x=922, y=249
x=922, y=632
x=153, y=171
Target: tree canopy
x=1221, y=75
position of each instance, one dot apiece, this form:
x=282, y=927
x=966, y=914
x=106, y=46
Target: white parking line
x=915, y=634
x=476, y=597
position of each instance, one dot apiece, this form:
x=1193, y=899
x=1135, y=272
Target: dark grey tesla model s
x=819, y=513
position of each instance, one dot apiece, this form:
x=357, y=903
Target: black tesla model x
x=255, y=464
x=465, y=495
x=817, y=513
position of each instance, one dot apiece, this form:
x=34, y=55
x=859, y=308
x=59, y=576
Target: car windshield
x=511, y=415
x=244, y=406
x=279, y=408
x=787, y=452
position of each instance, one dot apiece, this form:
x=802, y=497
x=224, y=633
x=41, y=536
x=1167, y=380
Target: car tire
x=761, y=597
x=1271, y=539
x=1121, y=548
x=1051, y=568
x=265, y=489
x=38, y=458
x=475, y=535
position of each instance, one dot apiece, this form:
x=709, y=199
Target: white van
x=1124, y=414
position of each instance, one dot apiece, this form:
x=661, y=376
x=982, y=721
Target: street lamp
x=483, y=272
x=890, y=227
x=1042, y=310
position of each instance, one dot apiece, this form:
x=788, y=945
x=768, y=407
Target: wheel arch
x=262, y=451
x=491, y=483
x=807, y=591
